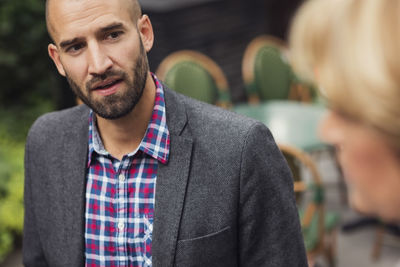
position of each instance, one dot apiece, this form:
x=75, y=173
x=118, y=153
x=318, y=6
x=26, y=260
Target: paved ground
x=353, y=248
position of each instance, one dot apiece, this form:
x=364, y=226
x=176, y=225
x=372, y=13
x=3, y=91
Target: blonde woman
x=350, y=48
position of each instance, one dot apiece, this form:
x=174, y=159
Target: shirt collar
x=156, y=141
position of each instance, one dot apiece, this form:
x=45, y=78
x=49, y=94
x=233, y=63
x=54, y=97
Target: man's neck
x=123, y=135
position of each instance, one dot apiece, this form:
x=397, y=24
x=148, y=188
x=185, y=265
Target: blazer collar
x=74, y=159
x=176, y=112
x=171, y=183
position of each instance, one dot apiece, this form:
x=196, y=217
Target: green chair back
x=266, y=73
x=272, y=74
x=195, y=75
x=191, y=79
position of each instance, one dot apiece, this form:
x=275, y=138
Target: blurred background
x=219, y=29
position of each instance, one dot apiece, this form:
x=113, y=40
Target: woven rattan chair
x=318, y=226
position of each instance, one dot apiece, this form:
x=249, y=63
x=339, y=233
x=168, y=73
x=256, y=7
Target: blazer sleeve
x=269, y=227
x=33, y=255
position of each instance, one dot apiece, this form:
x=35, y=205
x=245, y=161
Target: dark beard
x=116, y=106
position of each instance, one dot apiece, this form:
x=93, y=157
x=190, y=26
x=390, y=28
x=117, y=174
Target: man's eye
x=114, y=35
x=75, y=48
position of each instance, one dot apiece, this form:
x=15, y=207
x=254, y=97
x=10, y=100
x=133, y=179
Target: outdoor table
x=291, y=123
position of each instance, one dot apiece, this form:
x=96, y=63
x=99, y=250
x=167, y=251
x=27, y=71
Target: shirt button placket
x=121, y=226
x=121, y=216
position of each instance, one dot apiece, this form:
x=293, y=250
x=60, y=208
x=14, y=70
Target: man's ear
x=146, y=32
x=55, y=56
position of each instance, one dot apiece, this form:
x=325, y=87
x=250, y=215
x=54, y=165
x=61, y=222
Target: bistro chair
x=267, y=74
x=195, y=75
x=318, y=226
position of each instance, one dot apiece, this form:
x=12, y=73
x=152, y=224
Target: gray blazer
x=225, y=198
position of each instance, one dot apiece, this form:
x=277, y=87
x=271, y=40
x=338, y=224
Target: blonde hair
x=350, y=48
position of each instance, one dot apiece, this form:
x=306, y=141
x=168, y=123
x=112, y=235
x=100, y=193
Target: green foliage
x=11, y=194
x=27, y=74
x=14, y=125
x=29, y=87
x=16, y=121
x=6, y=240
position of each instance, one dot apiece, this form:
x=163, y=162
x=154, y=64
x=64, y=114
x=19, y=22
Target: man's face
x=100, y=50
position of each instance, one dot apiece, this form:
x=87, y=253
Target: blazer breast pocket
x=215, y=249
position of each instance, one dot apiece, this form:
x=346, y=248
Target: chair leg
x=342, y=184
x=311, y=260
x=330, y=249
x=379, y=234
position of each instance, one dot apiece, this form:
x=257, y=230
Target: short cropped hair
x=136, y=13
x=350, y=49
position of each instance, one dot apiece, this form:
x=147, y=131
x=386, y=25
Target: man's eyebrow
x=111, y=27
x=105, y=29
x=66, y=43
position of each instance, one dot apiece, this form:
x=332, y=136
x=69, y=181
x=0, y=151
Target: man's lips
x=105, y=84
x=107, y=87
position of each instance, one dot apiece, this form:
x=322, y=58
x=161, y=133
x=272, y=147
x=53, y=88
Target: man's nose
x=98, y=60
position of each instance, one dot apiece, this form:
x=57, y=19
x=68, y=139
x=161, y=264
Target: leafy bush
x=6, y=241
x=11, y=194
x=27, y=74
x=14, y=125
x=29, y=87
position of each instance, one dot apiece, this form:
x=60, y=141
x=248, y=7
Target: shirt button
x=121, y=177
x=121, y=226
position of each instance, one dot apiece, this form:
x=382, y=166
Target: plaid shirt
x=120, y=195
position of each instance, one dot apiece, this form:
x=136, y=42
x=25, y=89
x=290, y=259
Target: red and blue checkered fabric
x=120, y=195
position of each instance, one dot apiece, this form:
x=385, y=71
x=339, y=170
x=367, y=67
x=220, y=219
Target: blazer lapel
x=73, y=195
x=171, y=185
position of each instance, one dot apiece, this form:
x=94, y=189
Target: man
x=140, y=175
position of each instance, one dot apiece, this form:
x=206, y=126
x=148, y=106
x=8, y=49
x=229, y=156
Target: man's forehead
x=132, y=5
x=68, y=16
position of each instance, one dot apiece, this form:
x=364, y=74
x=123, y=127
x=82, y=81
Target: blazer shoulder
x=221, y=121
x=58, y=121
